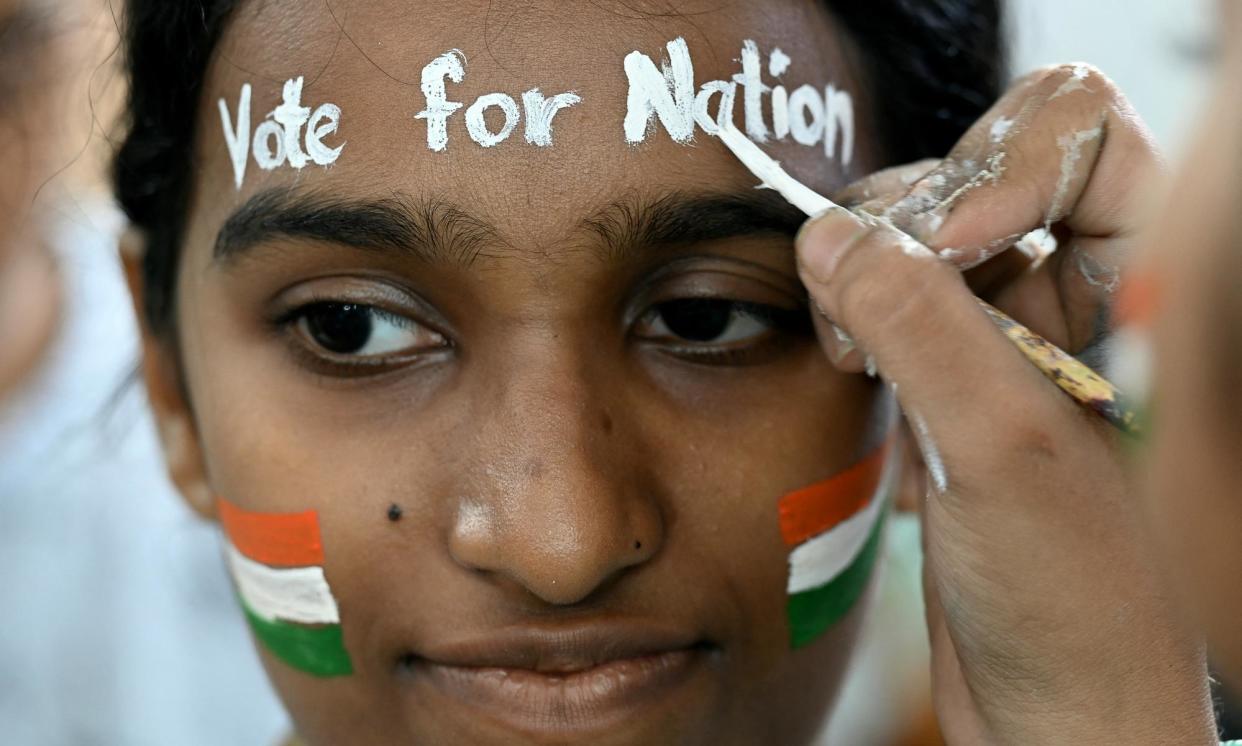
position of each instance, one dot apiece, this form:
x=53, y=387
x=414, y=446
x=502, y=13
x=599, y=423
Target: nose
x=557, y=505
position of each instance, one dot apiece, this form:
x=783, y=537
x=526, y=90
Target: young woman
x=524, y=432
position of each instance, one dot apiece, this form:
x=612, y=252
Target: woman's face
x=542, y=400
x=1197, y=469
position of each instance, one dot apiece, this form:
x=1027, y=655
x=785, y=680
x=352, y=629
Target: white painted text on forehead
x=664, y=95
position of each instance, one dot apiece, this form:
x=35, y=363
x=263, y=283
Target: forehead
x=368, y=57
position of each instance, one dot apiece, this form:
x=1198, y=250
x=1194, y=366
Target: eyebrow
x=432, y=230
x=636, y=223
x=437, y=231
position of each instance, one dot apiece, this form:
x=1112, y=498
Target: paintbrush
x=1073, y=377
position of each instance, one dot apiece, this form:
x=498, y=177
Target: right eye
x=359, y=334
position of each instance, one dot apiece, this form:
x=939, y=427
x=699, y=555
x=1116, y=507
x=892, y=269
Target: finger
x=1063, y=146
x=891, y=183
x=925, y=331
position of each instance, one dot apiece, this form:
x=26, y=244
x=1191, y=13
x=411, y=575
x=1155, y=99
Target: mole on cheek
x=395, y=512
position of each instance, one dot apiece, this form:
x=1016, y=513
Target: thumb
x=913, y=314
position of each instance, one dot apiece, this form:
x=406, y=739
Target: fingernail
x=824, y=240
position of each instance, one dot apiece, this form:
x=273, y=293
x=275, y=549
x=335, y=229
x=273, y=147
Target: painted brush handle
x=1069, y=374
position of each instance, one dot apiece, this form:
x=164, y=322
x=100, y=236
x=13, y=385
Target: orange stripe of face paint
x=813, y=510
x=276, y=539
x=1138, y=301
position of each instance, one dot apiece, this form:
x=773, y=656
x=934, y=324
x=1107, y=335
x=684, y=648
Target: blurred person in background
x=117, y=620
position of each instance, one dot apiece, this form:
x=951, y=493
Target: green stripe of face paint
x=318, y=651
x=812, y=612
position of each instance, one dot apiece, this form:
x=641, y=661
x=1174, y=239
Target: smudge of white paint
x=1074, y=82
x=703, y=105
x=931, y=452
x=914, y=249
x=325, y=121
x=1071, y=146
x=778, y=63
x=806, y=115
x=991, y=174
x=780, y=112
x=268, y=145
x=751, y=80
x=845, y=343
x=540, y=111
x=291, y=115
x=840, y=120
x=237, y=136
x=666, y=93
x=950, y=255
x=1096, y=273
x=929, y=224
x=1000, y=129
x=873, y=370
x=450, y=65
x=994, y=248
x=1037, y=245
x=476, y=123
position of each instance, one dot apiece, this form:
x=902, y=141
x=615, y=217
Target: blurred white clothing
x=118, y=625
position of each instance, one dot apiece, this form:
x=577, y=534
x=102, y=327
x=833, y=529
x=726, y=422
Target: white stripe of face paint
x=297, y=594
x=819, y=561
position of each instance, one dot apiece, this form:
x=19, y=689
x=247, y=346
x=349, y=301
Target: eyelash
x=343, y=365
x=785, y=325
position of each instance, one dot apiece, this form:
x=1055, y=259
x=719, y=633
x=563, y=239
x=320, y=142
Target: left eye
x=707, y=321
x=359, y=331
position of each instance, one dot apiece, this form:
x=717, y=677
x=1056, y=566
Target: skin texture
x=1193, y=499
x=30, y=291
x=559, y=466
x=1047, y=617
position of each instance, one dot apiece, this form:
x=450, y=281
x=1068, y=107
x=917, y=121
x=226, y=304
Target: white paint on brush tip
x=930, y=451
x=770, y=173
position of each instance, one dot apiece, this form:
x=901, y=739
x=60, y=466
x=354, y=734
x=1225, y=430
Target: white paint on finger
x=1098, y=275
x=1000, y=129
x=930, y=451
x=1075, y=82
x=1071, y=146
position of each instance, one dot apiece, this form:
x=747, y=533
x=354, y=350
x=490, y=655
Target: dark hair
x=940, y=64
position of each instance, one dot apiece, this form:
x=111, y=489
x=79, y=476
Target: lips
x=564, y=680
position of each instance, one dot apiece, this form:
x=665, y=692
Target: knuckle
x=882, y=288
x=1032, y=441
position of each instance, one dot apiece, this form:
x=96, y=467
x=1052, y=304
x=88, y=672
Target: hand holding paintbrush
x=1069, y=374
x=1028, y=510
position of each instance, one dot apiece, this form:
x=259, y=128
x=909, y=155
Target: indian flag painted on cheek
x=834, y=530
x=276, y=560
